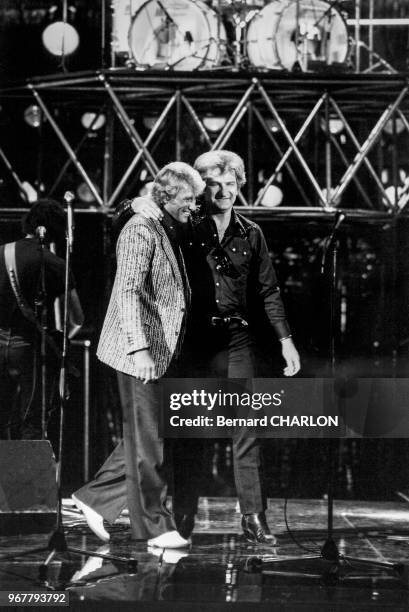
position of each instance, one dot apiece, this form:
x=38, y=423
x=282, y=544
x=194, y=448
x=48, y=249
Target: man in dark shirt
x=20, y=363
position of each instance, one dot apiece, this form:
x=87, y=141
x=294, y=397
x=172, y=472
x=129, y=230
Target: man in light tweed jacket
x=142, y=331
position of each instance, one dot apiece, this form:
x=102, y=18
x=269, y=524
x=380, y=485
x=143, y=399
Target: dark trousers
x=144, y=458
x=20, y=388
x=136, y=474
x=227, y=352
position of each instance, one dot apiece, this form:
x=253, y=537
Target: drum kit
x=236, y=34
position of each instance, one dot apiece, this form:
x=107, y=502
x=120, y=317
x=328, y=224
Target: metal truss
x=302, y=108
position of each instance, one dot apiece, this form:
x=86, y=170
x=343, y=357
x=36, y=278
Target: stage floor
x=221, y=570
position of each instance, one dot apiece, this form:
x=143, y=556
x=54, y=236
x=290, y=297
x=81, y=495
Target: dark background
x=372, y=338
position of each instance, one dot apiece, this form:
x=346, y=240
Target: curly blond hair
x=173, y=177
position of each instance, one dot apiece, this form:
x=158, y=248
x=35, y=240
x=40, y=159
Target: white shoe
x=94, y=520
x=170, y=539
x=168, y=555
x=92, y=564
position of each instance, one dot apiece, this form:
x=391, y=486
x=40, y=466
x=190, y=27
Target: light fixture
x=33, y=116
x=335, y=125
x=272, y=197
x=85, y=194
x=60, y=38
x=149, y=121
x=394, y=125
x=214, y=124
x=93, y=120
x=272, y=125
x=31, y=193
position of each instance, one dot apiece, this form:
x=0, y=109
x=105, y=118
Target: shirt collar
x=236, y=226
x=236, y=220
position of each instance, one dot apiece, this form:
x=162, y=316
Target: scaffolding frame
x=244, y=99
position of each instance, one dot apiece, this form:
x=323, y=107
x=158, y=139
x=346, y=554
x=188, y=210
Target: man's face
x=221, y=190
x=182, y=205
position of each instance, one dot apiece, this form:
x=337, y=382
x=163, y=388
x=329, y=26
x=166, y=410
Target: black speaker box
x=28, y=488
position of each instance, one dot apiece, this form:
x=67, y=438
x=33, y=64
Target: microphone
x=69, y=197
x=330, y=240
x=340, y=217
x=40, y=232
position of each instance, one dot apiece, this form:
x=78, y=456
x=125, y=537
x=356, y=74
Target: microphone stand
x=57, y=542
x=329, y=552
x=42, y=315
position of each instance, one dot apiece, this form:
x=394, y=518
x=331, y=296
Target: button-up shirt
x=245, y=282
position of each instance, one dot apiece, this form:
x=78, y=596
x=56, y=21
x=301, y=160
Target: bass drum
x=271, y=38
x=177, y=35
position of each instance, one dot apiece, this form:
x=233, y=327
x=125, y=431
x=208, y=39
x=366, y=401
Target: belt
x=225, y=321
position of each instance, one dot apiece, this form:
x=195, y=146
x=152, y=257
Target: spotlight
x=60, y=38
x=272, y=197
x=33, y=116
x=149, y=121
x=94, y=120
x=85, y=194
x=399, y=126
x=31, y=193
x=273, y=125
x=214, y=124
x=391, y=193
x=335, y=125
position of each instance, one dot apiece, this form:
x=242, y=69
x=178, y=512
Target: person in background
x=20, y=338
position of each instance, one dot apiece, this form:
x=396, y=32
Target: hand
x=145, y=366
x=147, y=208
x=291, y=357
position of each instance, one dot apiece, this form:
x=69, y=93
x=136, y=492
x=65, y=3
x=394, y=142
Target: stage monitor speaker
x=28, y=488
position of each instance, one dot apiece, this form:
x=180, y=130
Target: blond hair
x=171, y=178
x=221, y=160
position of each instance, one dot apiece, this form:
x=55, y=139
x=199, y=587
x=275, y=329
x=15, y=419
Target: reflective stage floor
x=221, y=570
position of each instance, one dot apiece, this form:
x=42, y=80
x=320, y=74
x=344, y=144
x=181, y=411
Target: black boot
x=185, y=524
x=256, y=530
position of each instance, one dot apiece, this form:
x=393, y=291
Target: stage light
x=85, y=194
x=272, y=197
x=149, y=121
x=31, y=193
x=214, y=124
x=94, y=120
x=33, y=116
x=273, y=125
x=399, y=126
x=335, y=125
x=60, y=38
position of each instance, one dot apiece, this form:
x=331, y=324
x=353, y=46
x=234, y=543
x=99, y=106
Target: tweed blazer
x=148, y=301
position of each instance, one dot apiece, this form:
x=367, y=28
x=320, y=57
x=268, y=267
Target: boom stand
x=330, y=555
x=57, y=542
